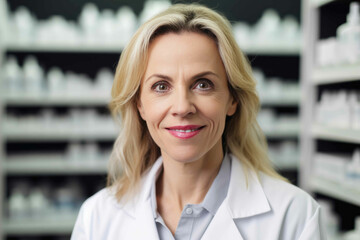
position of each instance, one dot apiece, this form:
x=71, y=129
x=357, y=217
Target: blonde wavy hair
x=134, y=150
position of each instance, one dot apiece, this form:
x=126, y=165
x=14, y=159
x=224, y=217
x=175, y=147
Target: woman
x=190, y=161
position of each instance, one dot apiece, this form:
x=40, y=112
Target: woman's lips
x=186, y=131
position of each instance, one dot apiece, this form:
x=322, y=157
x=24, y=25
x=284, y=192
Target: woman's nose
x=182, y=103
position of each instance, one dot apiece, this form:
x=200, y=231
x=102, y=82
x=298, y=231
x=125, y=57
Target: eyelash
x=207, y=81
x=153, y=87
x=165, y=83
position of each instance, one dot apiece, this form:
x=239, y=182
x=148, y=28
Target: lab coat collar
x=134, y=206
x=244, y=198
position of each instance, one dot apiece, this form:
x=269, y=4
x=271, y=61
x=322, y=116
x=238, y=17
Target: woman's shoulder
x=103, y=200
x=276, y=187
x=282, y=194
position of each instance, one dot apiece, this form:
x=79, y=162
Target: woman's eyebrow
x=159, y=76
x=202, y=74
x=199, y=75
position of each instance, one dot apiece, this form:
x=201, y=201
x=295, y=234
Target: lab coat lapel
x=246, y=197
x=144, y=224
x=243, y=200
x=222, y=226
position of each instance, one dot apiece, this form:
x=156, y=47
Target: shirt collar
x=219, y=188
x=245, y=196
x=215, y=195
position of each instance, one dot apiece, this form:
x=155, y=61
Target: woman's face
x=184, y=96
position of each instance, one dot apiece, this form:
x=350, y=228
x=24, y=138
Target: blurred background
x=57, y=61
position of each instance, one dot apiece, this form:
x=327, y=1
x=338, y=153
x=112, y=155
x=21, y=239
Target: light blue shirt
x=195, y=218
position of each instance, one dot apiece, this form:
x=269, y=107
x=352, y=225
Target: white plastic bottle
x=88, y=20
x=12, y=76
x=38, y=203
x=18, y=204
x=33, y=76
x=56, y=82
x=353, y=170
x=126, y=22
x=349, y=35
x=354, y=105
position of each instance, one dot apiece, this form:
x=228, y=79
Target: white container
x=290, y=32
x=267, y=119
x=103, y=82
x=268, y=29
x=106, y=26
x=89, y=20
x=153, y=7
x=38, y=203
x=353, y=170
x=329, y=219
x=91, y=152
x=17, y=203
x=56, y=81
x=126, y=23
x=25, y=25
x=33, y=76
x=74, y=152
x=349, y=35
x=242, y=33
x=354, y=104
x=12, y=76
x=331, y=166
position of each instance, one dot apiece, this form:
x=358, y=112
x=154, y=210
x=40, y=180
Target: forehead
x=187, y=50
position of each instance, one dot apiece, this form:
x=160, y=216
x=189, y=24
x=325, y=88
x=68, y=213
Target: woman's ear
x=232, y=107
x=141, y=109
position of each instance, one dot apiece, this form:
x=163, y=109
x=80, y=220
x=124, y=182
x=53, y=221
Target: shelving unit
x=336, y=190
x=58, y=165
x=336, y=74
x=282, y=134
x=42, y=226
x=3, y=26
x=320, y=20
x=53, y=165
x=13, y=46
x=336, y=134
x=62, y=135
x=48, y=100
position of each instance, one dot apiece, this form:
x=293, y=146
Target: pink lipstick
x=186, y=131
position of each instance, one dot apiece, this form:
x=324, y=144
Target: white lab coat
x=267, y=209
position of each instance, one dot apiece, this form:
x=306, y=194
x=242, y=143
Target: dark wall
x=245, y=10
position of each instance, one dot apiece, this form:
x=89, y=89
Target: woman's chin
x=183, y=157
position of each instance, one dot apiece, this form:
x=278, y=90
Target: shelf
x=40, y=226
x=64, y=135
x=282, y=134
x=335, y=190
x=116, y=48
x=47, y=100
x=63, y=47
x=22, y=99
x=336, y=134
x=53, y=166
x=280, y=102
x=272, y=50
x=338, y=74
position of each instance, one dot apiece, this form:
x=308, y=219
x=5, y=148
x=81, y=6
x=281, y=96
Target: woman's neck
x=187, y=183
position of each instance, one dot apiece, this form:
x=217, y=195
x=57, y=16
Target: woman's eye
x=204, y=84
x=160, y=87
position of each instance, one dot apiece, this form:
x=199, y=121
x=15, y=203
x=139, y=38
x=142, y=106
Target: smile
x=185, y=132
